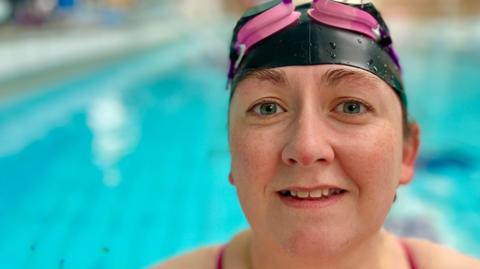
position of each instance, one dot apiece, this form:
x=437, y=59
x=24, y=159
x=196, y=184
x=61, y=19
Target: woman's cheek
x=253, y=169
x=254, y=154
x=371, y=157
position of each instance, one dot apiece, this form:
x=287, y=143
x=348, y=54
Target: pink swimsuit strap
x=220, y=257
x=409, y=253
x=406, y=248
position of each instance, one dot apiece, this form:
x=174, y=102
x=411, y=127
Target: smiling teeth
x=316, y=194
x=312, y=194
x=303, y=194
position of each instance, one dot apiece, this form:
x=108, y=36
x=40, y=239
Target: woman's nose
x=308, y=143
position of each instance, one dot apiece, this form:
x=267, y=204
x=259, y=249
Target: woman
x=320, y=142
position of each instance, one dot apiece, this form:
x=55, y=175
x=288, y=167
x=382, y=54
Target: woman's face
x=317, y=155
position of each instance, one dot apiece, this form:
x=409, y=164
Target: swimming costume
x=406, y=249
x=409, y=254
x=220, y=257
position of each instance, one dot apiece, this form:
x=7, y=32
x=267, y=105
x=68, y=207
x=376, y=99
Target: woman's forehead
x=325, y=75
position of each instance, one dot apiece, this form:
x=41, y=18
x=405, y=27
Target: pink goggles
x=327, y=12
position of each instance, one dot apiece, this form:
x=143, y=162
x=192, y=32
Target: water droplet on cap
x=359, y=41
x=333, y=55
x=370, y=62
x=333, y=45
x=375, y=69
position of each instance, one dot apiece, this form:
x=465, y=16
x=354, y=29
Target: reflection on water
x=115, y=133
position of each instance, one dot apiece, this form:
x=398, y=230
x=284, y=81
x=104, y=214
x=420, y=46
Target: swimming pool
x=127, y=164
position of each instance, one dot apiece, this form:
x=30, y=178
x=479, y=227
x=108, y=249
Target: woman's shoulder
x=431, y=255
x=203, y=258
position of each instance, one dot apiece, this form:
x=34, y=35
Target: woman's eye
x=351, y=107
x=267, y=109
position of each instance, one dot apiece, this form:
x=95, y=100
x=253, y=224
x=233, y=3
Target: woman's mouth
x=315, y=198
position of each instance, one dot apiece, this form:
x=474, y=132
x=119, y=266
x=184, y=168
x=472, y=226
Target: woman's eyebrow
x=276, y=77
x=333, y=77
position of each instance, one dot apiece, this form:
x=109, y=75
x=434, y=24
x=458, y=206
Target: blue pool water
x=127, y=164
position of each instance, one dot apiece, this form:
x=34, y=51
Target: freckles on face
x=371, y=159
x=254, y=163
x=254, y=147
x=254, y=154
x=367, y=156
x=372, y=152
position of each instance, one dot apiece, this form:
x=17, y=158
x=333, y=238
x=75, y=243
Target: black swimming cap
x=308, y=42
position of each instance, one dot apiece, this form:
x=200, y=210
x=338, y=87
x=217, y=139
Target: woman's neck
x=379, y=251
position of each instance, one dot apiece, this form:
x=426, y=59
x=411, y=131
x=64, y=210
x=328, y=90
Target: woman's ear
x=411, y=146
x=230, y=179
